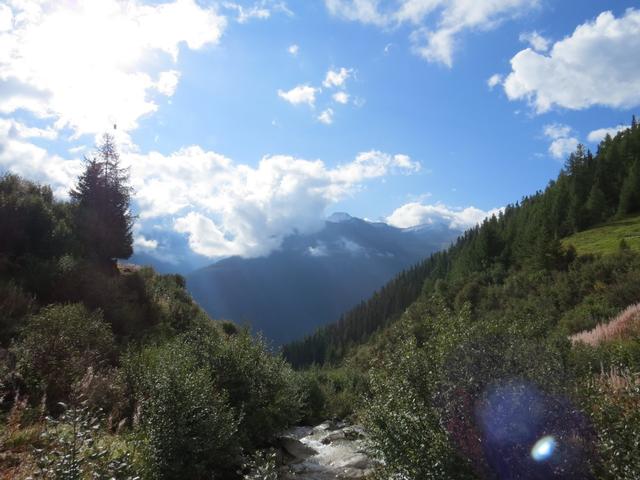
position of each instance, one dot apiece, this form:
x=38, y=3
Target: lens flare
x=543, y=449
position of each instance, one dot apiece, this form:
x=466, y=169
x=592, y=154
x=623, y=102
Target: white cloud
x=326, y=116
x=336, y=78
x=562, y=147
x=596, y=136
x=597, y=65
x=537, y=41
x=341, y=97
x=494, y=80
x=235, y=209
x=557, y=130
x=320, y=250
x=260, y=10
x=300, y=94
x=364, y=11
x=293, y=49
x=6, y=18
x=437, y=24
x=563, y=142
x=246, y=14
x=168, y=82
x=414, y=214
x=85, y=64
x=30, y=161
x=142, y=243
x=13, y=128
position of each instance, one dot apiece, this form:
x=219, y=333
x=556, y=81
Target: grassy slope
x=606, y=238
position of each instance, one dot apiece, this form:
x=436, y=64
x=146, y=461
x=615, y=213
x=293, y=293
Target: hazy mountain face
x=313, y=278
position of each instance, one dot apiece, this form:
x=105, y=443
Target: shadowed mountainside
x=314, y=278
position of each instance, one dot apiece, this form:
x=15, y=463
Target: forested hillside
x=590, y=189
x=111, y=371
x=518, y=357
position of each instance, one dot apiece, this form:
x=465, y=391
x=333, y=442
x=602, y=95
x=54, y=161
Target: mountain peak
x=339, y=217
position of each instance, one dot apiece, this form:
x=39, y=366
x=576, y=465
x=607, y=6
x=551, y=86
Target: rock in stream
x=326, y=452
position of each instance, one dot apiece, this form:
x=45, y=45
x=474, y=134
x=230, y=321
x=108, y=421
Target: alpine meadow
x=330, y=239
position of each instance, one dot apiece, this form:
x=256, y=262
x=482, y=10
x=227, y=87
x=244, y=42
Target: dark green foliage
x=189, y=424
x=57, y=346
x=33, y=223
x=73, y=450
x=15, y=304
x=261, y=387
x=101, y=199
x=228, y=392
x=525, y=236
x=630, y=191
x=195, y=395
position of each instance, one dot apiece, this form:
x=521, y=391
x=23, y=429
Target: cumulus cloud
x=494, y=80
x=140, y=242
x=326, y=116
x=596, y=136
x=293, y=49
x=341, y=97
x=224, y=208
x=305, y=93
x=537, y=41
x=437, y=24
x=597, y=65
x=233, y=209
x=168, y=82
x=300, y=94
x=336, y=78
x=414, y=214
x=19, y=156
x=12, y=128
x=85, y=64
x=563, y=142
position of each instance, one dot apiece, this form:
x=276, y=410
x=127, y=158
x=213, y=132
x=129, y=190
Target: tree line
x=590, y=189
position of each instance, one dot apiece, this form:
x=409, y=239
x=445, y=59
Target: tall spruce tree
x=102, y=198
x=630, y=191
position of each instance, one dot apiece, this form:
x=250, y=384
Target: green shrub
x=57, y=346
x=612, y=399
x=15, y=304
x=73, y=449
x=261, y=387
x=189, y=426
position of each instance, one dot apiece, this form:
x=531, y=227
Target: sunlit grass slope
x=606, y=238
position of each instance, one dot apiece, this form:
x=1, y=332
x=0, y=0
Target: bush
x=261, y=387
x=189, y=426
x=613, y=402
x=73, y=449
x=15, y=304
x=57, y=346
x=474, y=399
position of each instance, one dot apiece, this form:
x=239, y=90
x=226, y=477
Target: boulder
x=296, y=448
x=333, y=436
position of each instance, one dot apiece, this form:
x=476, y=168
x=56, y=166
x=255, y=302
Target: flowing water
x=328, y=451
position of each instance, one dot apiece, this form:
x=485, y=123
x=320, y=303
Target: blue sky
x=245, y=121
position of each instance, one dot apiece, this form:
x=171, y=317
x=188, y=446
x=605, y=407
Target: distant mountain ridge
x=313, y=278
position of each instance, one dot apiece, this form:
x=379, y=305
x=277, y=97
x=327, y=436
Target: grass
x=625, y=325
x=606, y=238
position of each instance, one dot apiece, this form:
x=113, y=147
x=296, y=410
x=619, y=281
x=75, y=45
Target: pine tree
x=596, y=205
x=630, y=191
x=102, y=198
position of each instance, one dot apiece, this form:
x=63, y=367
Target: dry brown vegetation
x=625, y=325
